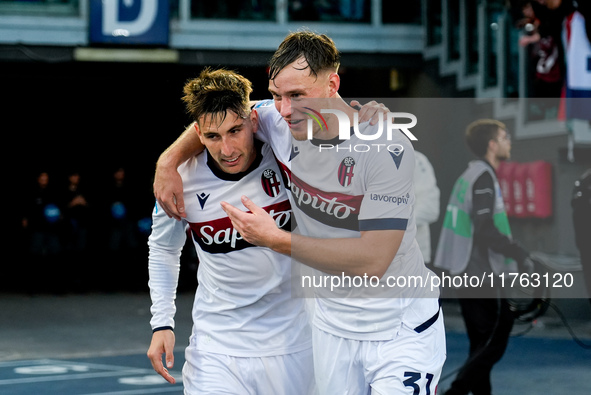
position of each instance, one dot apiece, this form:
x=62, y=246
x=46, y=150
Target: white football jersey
x=243, y=304
x=337, y=193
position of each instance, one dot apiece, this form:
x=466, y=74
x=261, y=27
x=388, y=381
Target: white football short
x=409, y=364
x=207, y=373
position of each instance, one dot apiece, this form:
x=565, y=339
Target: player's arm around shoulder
x=168, y=186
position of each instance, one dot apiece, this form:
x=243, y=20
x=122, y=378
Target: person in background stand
x=76, y=213
x=119, y=198
x=42, y=220
x=543, y=24
x=476, y=239
x=76, y=218
x=121, y=238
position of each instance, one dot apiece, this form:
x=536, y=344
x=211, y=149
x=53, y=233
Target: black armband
x=162, y=328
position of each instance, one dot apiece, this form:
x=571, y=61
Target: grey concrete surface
x=71, y=326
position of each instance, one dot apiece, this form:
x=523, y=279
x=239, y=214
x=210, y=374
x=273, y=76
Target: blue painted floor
x=122, y=375
x=530, y=366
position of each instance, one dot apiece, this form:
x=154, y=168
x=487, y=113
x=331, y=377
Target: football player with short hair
x=249, y=334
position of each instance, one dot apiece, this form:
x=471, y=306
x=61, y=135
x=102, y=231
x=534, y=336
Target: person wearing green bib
x=476, y=241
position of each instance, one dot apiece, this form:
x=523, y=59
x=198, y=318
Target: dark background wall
x=93, y=117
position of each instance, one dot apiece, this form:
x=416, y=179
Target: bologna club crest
x=271, y=183
x=346, y=171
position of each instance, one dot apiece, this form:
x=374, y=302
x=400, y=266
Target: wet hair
x=215, y=92
x=480, y=132
x=319, y=51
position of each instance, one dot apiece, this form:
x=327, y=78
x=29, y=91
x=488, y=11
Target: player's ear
x=254, y=119
x=196, y=127
x=198, y=131
x=334, y=82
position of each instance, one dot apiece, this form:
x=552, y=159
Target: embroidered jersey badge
x=346, y=171
x=270, y=182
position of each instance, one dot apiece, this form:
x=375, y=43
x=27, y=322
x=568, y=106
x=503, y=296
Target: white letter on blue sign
x=113, y=26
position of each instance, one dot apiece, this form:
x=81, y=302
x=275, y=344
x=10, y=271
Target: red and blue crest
x=271, y=182
x=346, y=171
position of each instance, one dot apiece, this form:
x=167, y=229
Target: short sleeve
x=389, y=196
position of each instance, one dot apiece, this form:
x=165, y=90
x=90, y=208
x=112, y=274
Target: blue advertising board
x=143, y=22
